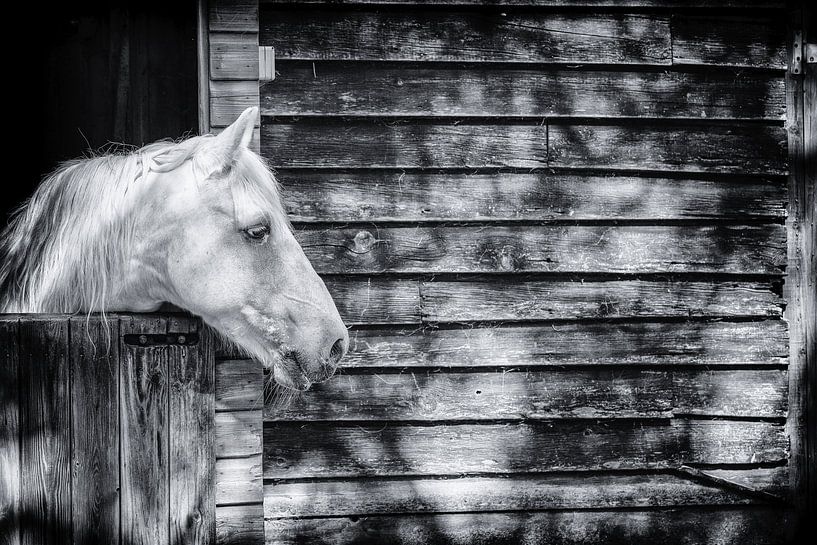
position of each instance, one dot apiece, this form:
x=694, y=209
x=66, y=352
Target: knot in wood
x=363, y=242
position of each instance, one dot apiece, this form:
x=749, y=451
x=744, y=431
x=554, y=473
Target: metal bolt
x=182, y=339
x=143, y=339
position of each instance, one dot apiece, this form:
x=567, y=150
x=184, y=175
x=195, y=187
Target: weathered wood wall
x=108, y=440
x=557, y=231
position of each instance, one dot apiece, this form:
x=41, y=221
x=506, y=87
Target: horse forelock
x=62, y=248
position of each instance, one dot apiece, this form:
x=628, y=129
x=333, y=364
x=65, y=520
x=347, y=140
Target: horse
x=198, y=224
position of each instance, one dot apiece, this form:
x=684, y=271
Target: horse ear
x=237, y=135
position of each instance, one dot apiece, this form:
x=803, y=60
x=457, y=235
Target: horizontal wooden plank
x=238, y=434
x=375, y=300
x=563, y=249
x=240, y=525
x=696, y=343
x=416, y=35
x=233, y=15
x=518, y=299
x=474, y=494
x=233, y=56
x=366, y=144
x=344, y=89
x=738, y=149
x=734, y=526
x=540, y=196
x=228, y=99
x=353, y=450
x=730, y=40
x=530, y=395
x=239, y=480
x=239, y=385
x=772, y=480
x=551, y=3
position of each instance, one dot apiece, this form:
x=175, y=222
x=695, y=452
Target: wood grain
x=239, y=480
x=549, y=3
x=239, y=385
x=532, y=395
x=690, y=343
x=518, y=299
x=144, y=429
x=233, y=15
x=10, y=408
x=733, y=149
x=191, y=493
x=378, y=144
x=387, y=196
x=353, y=450
x=375, y=300
x=345, y=89
x=240, y=525
x=233, y=56
x=94, y=355
x=563, y=249
x=470, y=494
x=730, y=40
x=732, y=526
x=412, y=35
x=45, y=431
x=238, y=433
x=228, y=99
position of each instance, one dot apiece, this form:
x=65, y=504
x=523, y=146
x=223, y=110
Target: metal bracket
x=811, y=53
x=797, y=53
x=153, y=339
x=266, y=63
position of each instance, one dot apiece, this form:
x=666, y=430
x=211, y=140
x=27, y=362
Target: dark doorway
x=91, y=74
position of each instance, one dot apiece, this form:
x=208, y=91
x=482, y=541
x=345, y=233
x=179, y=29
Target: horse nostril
x=337, y=352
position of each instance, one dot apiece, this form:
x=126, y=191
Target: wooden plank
x=734, y=526
x=311, y=450
x=192, y=503
x=343, y=89
x=228, y=99
x=756, y=41
x=688, y=343
x=532, y=395
x=239, y=385
x=518, y=299
x=203, y=65
x=233, y=56
x=552, y=3
x=410, y=196
x=240, y=525
x=415, y=35
x=10, y=407
x=735, y=149
x=238, y=433
x=701, y=343
x=239, y=480
x=94, y=355
x=144, y=439
x=233, y=15
x=470, y=494
x=562, y=249
x=772, y=480
x=45, y=431
x=366, y=144
x=375, y=300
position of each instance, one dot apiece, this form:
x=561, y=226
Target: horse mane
x=62, y=247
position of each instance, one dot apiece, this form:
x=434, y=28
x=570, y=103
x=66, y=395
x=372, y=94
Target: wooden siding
x=561, y=254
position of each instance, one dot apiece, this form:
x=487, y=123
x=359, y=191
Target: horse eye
x=257, y=232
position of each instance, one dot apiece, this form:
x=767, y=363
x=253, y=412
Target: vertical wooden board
x=233, y=56
x=233, y=15
x=192, y=454
x=9, y=433
x=95, y=429
x=45, y=425
x=144, y=435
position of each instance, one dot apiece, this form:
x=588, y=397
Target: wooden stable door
x=106, y=430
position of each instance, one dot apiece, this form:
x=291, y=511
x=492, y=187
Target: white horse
x=198, y=224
